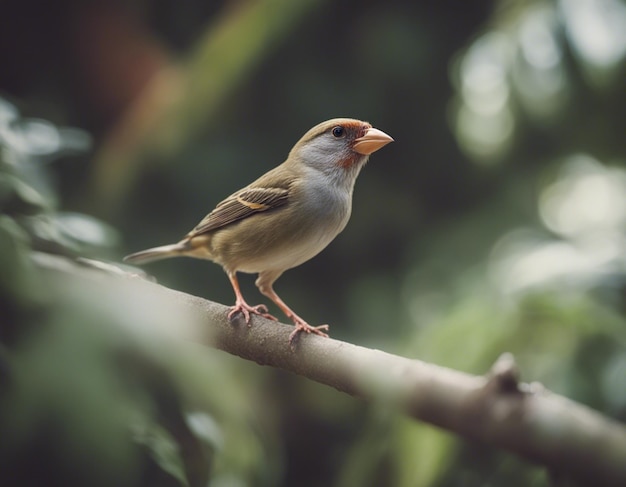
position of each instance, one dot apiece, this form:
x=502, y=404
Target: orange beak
x=373, y=140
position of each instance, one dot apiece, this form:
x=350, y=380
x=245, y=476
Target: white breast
x=326, y=211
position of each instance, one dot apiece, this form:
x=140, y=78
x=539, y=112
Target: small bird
x=285, y=217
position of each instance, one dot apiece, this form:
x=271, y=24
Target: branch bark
x=570, y=439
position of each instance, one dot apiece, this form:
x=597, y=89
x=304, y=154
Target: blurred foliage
x=88, y=395
x=494, y=223
x=184, y=100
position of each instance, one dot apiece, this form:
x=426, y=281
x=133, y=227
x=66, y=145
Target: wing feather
x=241, y=205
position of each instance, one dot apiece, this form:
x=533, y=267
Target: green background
x=494, y=222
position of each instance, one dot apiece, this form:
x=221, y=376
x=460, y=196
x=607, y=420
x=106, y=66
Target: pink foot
x=303, y=326
x=245, y=309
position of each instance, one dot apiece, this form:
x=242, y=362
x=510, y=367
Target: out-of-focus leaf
x=8, y=113
x=18, y=197
x=48, y=236
x=164, y=450
x=18, y=281
x=62, y=387
x=73, y=233
x=33, y=137
x=86, y=230
x=36, y=138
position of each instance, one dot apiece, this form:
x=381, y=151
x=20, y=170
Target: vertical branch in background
x=182, y=100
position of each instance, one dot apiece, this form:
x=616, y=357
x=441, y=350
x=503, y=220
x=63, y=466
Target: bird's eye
x=338, y=132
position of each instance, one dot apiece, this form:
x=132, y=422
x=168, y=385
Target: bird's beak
x=373, y=140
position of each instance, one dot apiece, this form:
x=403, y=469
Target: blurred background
x=495, y=222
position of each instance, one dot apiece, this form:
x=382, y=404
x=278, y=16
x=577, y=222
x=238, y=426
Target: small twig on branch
x=569, y=439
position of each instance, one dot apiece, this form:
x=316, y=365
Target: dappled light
x=585, y=208
x=540, y=77
x=588, y=197
x=520, y=69
x=523, y=262
x=485, y=123
x=597, y=32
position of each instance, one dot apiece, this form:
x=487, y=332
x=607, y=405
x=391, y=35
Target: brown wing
x=241, y=205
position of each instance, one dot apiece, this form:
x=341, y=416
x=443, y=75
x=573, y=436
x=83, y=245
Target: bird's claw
x=303, y=326
x=245, y=309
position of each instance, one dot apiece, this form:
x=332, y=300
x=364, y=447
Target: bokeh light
x=597, y=32
x=586, y=209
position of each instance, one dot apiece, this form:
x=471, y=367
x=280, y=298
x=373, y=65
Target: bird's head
x=339, y=147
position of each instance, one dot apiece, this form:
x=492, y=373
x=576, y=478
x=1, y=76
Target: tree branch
x=569, y=439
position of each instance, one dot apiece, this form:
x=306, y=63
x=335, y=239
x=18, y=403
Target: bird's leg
x=243, y=307
x=301, y=325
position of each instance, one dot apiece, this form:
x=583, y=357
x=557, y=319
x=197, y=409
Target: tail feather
x=157, y=253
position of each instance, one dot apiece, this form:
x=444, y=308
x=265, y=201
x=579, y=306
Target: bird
x=284, y=218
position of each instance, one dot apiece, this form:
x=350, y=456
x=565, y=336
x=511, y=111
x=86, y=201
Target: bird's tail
x=157, y=253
